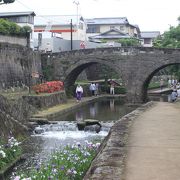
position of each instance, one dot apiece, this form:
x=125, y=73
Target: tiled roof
x=150, y=34
x=115, y=20
x=6, y=14
x=107, y=35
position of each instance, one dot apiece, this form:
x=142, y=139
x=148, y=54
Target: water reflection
x=112, y=104
x=79, y=116
x=105, y=110
x=92, y=110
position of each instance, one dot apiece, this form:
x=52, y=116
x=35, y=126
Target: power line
x=24, y=5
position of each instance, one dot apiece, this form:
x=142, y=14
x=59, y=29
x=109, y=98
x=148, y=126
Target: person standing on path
x=112, y=88
x=161, y=84
x=97, y=89
x=79, y=92
x=174, y=95
x=92, y=88
x=178, y=92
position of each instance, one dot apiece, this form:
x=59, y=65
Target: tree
x=7, y=1
x=178, y=20
x=128, y=42
x=10, y=28
x=170, y=39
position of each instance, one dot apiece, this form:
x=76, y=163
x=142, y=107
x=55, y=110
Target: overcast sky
x=150, y=15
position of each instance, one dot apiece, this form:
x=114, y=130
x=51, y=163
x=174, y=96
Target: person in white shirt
x=178, y=92
x=92, y=88
x=174, y=95
x=112, y=88
x=79, y=92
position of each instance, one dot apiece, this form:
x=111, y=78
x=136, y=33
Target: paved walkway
x=159, y=91
x=154, y=144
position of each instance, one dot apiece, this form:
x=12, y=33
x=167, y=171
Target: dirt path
x=154, y=144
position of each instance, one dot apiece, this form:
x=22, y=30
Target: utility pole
x=71, y=36
x=77, y=23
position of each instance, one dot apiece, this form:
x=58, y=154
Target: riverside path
x=154, y=144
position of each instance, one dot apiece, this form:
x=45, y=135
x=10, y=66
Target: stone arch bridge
x=135, y=65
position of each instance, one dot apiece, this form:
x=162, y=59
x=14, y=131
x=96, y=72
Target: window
x=112, y=27
x=122, y=28
x=22, y=19
x=93, y=29
x=147, y=41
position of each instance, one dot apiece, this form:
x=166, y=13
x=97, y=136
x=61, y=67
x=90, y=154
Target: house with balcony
x=111, y=29
x=22, y=19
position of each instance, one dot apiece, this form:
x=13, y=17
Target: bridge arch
x=135, y=65
x=73, y=72
x=149, y=77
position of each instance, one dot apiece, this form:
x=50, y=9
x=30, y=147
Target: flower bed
x=71, y=163
x=9, y=152
x=49, y=87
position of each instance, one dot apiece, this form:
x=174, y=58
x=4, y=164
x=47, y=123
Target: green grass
x=154, y=85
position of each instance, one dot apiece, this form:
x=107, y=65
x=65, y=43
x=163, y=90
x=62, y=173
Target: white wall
x=13, y=40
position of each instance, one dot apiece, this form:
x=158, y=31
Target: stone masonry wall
x=16, y=65
x=47, y=100
x=14, y=116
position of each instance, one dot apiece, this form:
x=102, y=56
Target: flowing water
x=65, y=131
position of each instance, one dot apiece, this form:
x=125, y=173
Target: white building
x=59, y=26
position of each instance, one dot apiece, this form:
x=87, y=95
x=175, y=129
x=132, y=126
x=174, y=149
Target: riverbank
x=143, y=145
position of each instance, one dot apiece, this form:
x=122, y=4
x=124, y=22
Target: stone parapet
x=45, y=101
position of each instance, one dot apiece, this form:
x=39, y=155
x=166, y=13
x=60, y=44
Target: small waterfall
x=66, y=130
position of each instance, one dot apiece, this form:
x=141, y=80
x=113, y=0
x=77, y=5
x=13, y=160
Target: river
x=65, y=131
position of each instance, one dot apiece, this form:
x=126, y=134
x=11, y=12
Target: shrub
x=49, y=87
x=10, y=28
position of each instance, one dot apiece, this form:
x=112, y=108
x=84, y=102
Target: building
x=111, y=29
x=147, y=37
x=50, y=29
x=22, y=19
x=109, y=36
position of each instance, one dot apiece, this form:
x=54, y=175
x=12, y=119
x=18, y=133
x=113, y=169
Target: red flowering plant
x=49, y=87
